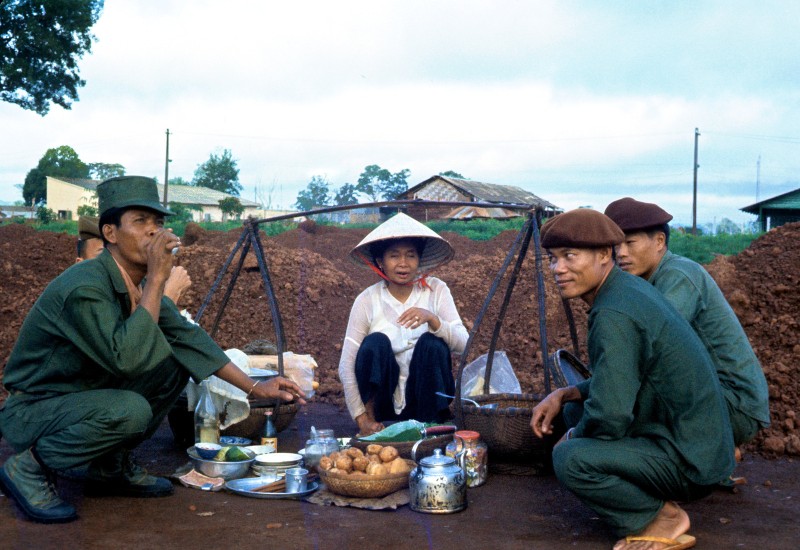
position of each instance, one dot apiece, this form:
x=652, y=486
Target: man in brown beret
x=90, y=240
x=653, y=427
x=694, y=293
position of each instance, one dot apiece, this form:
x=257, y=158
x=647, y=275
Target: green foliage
x=183, y=212
x=219, y=172
x=346, y=194
x=45, y=215
x=231, y=206
x=61, y=162
x=103, y=171
x=703, y=248
x=477, y=230
x=451, y=174
x=87, y=210
x=375, y=181
x=40, y=45
x=316, y=193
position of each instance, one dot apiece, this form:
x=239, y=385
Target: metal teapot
x=438, y=484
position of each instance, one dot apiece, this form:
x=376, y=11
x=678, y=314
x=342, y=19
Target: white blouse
x=376, y=310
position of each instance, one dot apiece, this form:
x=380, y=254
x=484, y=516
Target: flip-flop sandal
x=680, y=543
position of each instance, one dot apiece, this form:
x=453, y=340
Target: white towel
x=227, y=397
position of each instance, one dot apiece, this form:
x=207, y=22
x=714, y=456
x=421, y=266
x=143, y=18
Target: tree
x=219, y=172
x=728, y=227
x=183, y=212
x=45, y=215
x=40, y=45
x=375, y=181
x=87, y=210
x=230, y=206
x=179, y=181
x=103, y=171
x=61, y=162
x=451, y=174
x=345, y=195
x=316, y=193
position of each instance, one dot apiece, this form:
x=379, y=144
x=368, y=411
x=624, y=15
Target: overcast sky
x=579, y=102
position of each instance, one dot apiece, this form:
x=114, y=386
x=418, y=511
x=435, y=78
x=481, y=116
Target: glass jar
x=206, y=417
x=322, y=445
x=476, y=455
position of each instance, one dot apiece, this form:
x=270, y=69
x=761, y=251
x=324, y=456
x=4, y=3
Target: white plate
x=246, y=485
x=278, y=459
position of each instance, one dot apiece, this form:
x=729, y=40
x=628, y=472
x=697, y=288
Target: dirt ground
x=315, y=285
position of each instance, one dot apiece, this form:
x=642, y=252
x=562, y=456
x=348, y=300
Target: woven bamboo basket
x=364, y=486
x=404, y=447
x=252, y=426
x=507, y=432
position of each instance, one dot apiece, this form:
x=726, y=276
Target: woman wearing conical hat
x=402, y=330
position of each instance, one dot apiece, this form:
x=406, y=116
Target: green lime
x=235, y=454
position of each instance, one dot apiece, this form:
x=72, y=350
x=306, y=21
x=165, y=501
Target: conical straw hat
x=437, y=251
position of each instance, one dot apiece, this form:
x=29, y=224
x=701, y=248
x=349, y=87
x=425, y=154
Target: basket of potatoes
x=373, y=473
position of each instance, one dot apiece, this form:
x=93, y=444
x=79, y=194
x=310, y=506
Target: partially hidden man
x=654, y=427
x=101, y=358
x=692, y=291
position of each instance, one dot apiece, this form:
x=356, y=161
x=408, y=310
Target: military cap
x=632, y=215
x=581, y=228
x=126, y=191
x=89, y=228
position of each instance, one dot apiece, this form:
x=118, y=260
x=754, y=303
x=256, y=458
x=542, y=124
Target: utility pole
x=694, y=196
x=758, y=175
x=166, y=172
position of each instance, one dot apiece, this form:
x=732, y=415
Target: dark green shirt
x=693, y=292
x=652, y=378
x=80, y=335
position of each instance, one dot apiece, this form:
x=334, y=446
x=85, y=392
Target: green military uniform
x=692, y=291
x=86, y=376
x=654, y=424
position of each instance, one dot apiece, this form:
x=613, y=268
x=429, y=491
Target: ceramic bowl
x=207, y=450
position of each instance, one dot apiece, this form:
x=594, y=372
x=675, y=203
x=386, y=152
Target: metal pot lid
x=437, y=460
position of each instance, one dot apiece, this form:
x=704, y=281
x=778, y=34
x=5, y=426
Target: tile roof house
x=444, y=188
x=65, y=195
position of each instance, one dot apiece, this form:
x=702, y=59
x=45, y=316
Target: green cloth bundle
x=407, y=430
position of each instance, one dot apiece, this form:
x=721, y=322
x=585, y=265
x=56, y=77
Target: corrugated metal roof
x=184, y=194
x=487, y=192
x=787, y=201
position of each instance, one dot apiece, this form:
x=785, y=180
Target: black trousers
x=430, y=371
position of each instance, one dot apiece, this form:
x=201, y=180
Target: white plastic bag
x=503, y=378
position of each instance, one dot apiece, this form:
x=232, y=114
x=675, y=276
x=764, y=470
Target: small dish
x=278, y=459
x=196, y=480
x=207, y=450
x=245, y=487
x=261, y=449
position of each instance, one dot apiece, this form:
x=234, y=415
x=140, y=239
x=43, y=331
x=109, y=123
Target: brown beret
x=89, y=228
x=581, y=228
x=631, y=215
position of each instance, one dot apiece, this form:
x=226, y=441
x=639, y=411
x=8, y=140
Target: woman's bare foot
x=670, y=523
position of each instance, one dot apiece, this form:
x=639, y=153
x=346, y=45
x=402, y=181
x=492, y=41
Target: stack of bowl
x=279, y=461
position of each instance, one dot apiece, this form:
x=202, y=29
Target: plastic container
x=476, y=455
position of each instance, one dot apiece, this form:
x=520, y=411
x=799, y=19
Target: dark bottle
x=269, y=436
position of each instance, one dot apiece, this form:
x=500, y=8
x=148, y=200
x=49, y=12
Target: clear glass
x=206, y=417
x=323, y=444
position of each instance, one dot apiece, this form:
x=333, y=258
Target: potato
x=375, y=469
x=325, y=463
x=374, y=449
x=354, y=452
x=398, y=466
x=344, y=462
x=374, y=458
x=337, y=472
x=334, y=455
x=388, y=454
x=360, y=463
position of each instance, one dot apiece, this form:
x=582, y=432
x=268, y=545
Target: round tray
x=365, y=486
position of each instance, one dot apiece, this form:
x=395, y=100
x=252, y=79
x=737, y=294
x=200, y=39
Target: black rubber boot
x=117, y=474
